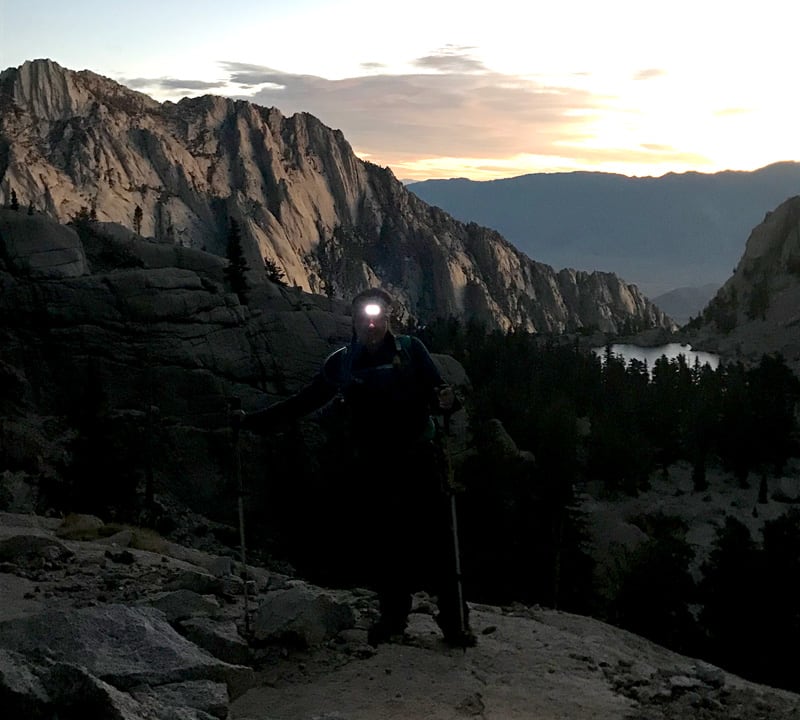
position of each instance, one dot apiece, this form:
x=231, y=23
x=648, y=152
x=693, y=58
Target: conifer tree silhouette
x=237, y=266
x=274, y=272
x=137, y=220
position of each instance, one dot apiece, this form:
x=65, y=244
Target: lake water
x=651, y=354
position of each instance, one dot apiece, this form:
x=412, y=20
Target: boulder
x=32, y=550
x=181, y=604
x=221, y=639
x=77, y=693
x=22, y=694
x=204, y=697
x=80, y=527
x=34, y=246
x=195, y=581
x=499, y=443
x=123, y=646
x=121, y=539
x=301, y=614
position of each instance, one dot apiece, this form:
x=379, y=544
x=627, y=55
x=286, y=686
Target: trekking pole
x=235, y=405
x=462, y=620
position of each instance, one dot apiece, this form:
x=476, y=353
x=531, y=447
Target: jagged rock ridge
x=330, y=221
x=756, y=310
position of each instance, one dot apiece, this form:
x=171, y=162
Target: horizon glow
x=456, y=89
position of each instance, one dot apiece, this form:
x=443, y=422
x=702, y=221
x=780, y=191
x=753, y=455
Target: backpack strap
x=342, y=375
x=402, y=346
x=403, y=360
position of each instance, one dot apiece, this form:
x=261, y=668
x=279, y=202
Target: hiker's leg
x=394, y=597
x=392, y=564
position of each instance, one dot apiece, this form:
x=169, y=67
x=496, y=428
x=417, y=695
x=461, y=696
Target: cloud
x=429, y=114
x=649, y=74
x=451, y=59
x=657, y=148
x=246, y=75
x=172, y=85
x=455, y=114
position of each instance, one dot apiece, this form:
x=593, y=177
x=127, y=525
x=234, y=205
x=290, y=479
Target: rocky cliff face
x=757, y=310
x=139, y=346
x=333, y=223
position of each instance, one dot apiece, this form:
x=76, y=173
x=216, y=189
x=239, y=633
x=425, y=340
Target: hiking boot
x=454, y=635
x=460, y=638
x=380, y=633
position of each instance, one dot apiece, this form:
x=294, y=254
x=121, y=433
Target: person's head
x=371, y=314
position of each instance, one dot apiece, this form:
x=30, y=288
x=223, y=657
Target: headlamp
x=372, y=310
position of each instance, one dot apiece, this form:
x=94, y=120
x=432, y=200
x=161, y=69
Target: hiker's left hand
x=446, y=397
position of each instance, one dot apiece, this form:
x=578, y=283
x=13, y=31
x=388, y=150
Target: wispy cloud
x=650, y=74
x=455, y=112
x=173, y=84
x=658, y=148
x=429, y=114
x=451, y=59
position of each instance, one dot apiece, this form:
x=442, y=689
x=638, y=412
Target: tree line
x=641, y=418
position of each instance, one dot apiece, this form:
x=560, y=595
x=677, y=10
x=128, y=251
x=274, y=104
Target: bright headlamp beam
x=372, y=310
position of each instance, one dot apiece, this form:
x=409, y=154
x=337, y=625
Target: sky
x=484, y=90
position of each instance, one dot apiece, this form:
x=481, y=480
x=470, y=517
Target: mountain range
x=330, y=222
x=661, y=233
x=684, y=303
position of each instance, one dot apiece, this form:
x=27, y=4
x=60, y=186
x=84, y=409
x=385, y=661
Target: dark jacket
x=389, y=394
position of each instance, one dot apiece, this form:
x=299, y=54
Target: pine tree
x=14, y=200
x=81, y=219
x=137, y=220
x=274, y=272
x=237, y=266
x=732, y=599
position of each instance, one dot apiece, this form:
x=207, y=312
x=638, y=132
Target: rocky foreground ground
x=100, y=621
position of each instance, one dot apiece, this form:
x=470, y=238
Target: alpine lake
x=649, y=355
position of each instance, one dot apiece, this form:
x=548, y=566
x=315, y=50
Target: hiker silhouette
x=387, y=387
